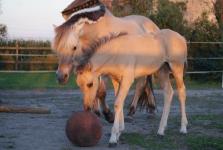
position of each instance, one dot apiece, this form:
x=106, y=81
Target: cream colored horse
x=127, y=57
x=82, y=33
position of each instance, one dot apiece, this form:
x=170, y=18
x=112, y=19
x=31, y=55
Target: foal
x=114, y=56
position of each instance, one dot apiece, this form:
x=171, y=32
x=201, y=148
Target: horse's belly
x=143, y=71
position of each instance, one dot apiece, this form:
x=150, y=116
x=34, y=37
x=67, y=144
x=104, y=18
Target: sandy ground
x=46, y=132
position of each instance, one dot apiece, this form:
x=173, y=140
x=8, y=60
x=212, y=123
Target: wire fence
x=18, y=52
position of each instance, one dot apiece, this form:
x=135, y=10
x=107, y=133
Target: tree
x=3, y=31
x=3, y=28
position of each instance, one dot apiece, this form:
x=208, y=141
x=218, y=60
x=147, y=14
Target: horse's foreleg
x=178, y=72
x=96, y=107
x=118, y=125
x=140, y=85
x=101, y=95
x=168, y=95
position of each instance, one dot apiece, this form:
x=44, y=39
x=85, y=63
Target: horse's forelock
x=65, y=34
x=64, y=40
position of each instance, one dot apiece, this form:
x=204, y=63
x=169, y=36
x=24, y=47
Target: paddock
x=46, y=131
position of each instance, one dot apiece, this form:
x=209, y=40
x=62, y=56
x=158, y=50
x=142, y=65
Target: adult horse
x=84, y=31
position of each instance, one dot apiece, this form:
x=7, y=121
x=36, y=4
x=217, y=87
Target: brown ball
x=84, y=129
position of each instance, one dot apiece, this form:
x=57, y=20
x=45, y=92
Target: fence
x=17, y=54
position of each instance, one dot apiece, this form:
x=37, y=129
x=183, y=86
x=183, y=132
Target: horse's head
x=68, y=34
x=66, y=39
x=65, y=44
x=65, y=68
x=88, y=83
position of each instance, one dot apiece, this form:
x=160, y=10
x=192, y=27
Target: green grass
x=202, y=135
x=153, y=142
x=212, y=121
x=32, y=81
x=174, y=141
x=204, y=143
x=48, y=80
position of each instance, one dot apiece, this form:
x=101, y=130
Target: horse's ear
x=66, y=17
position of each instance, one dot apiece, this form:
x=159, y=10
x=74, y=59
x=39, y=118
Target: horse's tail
x=147, y=99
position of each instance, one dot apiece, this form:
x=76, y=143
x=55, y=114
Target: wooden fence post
x=17, y=56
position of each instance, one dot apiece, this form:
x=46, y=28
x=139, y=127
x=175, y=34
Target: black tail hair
x=147, y=99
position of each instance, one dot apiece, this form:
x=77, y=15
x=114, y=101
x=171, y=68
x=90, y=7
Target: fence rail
x=17, y=54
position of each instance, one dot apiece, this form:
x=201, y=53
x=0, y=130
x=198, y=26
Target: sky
x=32, y=19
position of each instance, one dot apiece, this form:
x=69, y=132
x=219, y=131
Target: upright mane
x=63, y=32
x=94, y=46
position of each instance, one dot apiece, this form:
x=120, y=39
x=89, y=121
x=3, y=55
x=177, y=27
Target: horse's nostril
x=65, y=76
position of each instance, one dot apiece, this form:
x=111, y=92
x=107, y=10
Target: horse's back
x=147, y=24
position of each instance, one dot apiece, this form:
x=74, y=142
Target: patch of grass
x=206, y=117
x=32, y=81
x=204, y=143
x=174, y=141
x=212, y=121
x=152, y=141
x=48, y=80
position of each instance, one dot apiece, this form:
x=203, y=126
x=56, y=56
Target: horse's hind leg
x=144, y=95
x=140, y=85
x=163, y=75
x=101, y=94
x=178, y=72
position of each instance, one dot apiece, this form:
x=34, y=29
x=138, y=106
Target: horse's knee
x=182, y=92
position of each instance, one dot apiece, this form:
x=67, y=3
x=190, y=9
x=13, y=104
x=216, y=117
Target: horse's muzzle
x=87, y=108
x=62, y=78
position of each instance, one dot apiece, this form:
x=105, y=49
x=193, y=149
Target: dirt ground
x=47, y=132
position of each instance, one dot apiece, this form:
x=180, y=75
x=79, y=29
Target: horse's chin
x=63, y=82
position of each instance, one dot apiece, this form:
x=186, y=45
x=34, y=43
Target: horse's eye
x=74, y=49
x=89, y=85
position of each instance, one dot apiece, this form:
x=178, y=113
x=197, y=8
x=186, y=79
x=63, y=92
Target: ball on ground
x=84, y=129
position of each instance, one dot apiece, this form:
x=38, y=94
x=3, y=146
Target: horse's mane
x=64, y=29
x=93, y=47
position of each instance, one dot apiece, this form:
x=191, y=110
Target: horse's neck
x=105, y=26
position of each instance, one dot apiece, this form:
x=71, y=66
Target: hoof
x=183, y=131
x=159, y=133
x=97, y=113
x=131, y=111
x=112, y=145
x=109, y=116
